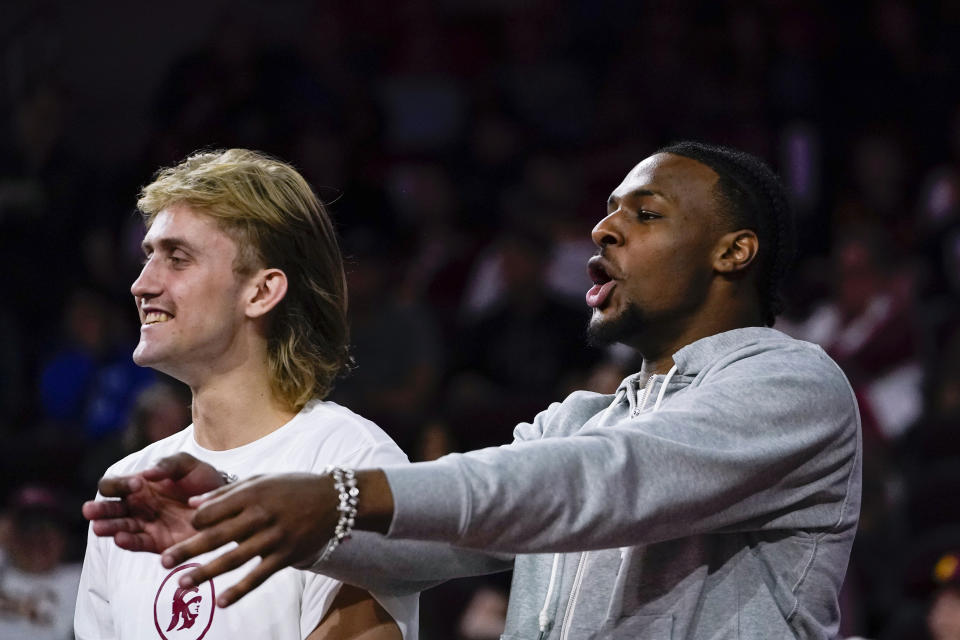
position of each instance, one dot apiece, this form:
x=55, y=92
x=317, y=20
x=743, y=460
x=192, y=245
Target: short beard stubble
x=622, y=328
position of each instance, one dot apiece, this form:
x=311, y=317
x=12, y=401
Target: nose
x=606, y=231
x=147, y=284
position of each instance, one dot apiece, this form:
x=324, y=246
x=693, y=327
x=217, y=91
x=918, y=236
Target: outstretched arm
x=284, y=519
x=150, y=512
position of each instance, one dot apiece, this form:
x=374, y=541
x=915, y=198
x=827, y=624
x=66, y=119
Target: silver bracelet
x=345, y=482
x=228, y=478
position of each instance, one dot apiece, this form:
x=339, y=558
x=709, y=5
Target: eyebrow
x=636, y=193
x=169, y=244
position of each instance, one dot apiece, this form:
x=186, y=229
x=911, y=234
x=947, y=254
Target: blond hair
x=278, y=222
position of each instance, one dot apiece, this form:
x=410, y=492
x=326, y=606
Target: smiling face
x=189, y=297
x=657, y=249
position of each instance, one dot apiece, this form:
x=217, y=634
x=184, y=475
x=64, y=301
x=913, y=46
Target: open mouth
x=156, y=317
x=603, y=283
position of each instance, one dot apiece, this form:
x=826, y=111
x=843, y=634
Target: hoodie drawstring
x=616, y=400
x=663, y=387
x=545, y=618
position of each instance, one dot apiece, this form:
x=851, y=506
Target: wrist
x=375, y=508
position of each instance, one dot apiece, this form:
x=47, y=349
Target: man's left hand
x=284, y=519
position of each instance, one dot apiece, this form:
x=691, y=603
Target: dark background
x=467, y=148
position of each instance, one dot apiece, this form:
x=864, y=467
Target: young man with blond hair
x=243, y=298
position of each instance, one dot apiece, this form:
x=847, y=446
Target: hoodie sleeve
x=766, y=438
x=399, y=567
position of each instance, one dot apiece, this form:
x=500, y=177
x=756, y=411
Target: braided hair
x=750, y=196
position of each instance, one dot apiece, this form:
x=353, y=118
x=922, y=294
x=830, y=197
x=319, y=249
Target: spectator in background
x=441, y=249
x=868, y=326
x=158, y=411
x=943, y=618
x=41, y=183
x=930, y=609
x=88, y=385
x=522, y=351
x=395, y=343
x=936, y=436
x=38, y=588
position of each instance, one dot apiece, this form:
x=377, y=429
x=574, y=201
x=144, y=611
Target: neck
x=658, y=344
x=236, y=408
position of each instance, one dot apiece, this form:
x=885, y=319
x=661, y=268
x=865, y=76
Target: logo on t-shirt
x=183, y=614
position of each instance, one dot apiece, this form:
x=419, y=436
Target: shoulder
x=761, y=352
x=348, y=438
x=338, y=420
x=766, y=367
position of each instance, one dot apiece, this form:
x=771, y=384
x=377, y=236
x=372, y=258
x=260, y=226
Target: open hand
x=152, y=512
x=284, y=519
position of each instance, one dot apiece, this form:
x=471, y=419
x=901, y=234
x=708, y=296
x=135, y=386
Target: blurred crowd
x=466, y=148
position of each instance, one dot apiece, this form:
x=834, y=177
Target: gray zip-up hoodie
x=717, y=501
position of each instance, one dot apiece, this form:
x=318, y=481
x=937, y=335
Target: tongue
x=598, y=293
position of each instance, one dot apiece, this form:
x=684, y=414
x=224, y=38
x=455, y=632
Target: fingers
x=265, y=544
x=256, y=545
x=196, y=501
x=119, y=486
x=135, y=541
x=266, y=568
x=108, y=528
x=172, y=467
x=103, y=509
x=236, y=528
x=222, y=503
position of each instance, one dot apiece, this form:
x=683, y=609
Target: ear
x=269, y=286
x=736, y=251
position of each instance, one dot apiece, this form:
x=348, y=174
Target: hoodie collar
x=698, y=355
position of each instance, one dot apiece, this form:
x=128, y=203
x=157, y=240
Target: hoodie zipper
x=574, y=591
x=643, y=399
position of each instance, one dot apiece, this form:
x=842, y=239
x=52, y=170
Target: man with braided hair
x=714, y=495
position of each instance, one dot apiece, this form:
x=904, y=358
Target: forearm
x=402, y=567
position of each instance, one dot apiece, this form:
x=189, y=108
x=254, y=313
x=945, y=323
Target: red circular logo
x=183, y=614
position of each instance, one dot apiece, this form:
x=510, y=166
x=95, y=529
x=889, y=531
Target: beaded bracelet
x=345, y=482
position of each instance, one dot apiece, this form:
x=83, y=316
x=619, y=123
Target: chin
x=142, y=356
x=603, y=331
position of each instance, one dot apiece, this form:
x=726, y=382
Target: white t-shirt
x=130, y=595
